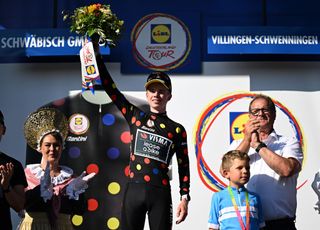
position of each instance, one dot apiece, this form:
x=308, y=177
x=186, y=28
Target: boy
x=235, y=207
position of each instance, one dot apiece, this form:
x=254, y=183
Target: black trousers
x=141, y=199
x=281, y=224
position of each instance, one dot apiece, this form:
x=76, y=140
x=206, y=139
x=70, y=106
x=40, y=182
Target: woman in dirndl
x=54, y=194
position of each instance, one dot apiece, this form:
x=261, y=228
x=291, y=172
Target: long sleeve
x=111, y=89
x=183, y=163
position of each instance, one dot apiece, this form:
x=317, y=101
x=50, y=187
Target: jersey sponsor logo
x=77, y=139
x=78, y=124
x=148, y=129
x=150, y=123
x=152, y=146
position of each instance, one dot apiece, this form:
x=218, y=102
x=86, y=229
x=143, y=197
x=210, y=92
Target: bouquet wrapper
x=89, y=68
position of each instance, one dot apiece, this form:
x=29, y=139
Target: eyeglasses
x=255, y=112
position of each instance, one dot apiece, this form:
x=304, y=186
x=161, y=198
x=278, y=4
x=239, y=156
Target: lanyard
x=237, y=210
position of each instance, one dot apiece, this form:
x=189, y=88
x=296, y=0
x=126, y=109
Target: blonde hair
x=229, y=157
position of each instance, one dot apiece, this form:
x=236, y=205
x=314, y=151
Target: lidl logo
x=90, y=69
x=160, y=33
x=237, y=121
x=78, y=121
x=78, y=124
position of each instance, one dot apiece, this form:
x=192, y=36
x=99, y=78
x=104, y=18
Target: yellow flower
x=90, y=9
x=98, y=20
x=93, y=7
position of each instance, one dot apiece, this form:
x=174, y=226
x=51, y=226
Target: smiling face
x=157, y=96
x=238, y=174
x=51, y=148
x=261, y=111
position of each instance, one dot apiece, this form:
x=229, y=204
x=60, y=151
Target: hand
x=255, y=140
x=250, y=131
x=6, y=172
x=250, y=127
x=182, y=211
x=88, y=177
x=81, y=182
x=95, y=42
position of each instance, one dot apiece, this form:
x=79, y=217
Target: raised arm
x=283, y=166
x=110, y=87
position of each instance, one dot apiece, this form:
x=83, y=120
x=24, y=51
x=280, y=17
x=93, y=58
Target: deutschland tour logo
x=160, y=42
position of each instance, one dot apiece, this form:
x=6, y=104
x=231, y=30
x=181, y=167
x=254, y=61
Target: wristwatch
x=261, y=145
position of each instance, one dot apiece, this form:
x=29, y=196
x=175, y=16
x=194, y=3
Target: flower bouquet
x=96, y=21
